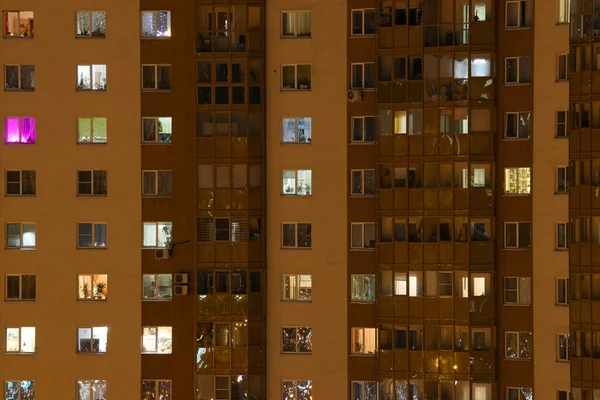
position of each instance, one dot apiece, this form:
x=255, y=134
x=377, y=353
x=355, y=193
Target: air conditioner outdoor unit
x=161, y=254
x=354, y=95
x=181, y=290
x=181, y=279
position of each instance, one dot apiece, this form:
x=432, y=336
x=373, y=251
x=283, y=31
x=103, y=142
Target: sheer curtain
x=304, y=23
x=28, y=130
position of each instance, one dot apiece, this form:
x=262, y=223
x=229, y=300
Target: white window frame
x=90, y=27
x=94, y=87
x=20, y=79
x=155, y=36
x=363, y=65
x=103, y=278
x=295, y=193
x=566, y=291
x=295, y=88
x=20, y=171
x=20, y=287
x=157, y=383
x=296, y=236
x=565, y=124
x=93, y=235
x=518, y=333
x=155, y=88
x=19, y=384
x=518, y=129
x=297, y=297
x=92, y=338
x=93, y=139
x=156, y=341
x=565, y=239
x=516, y=246
x=567, y=339
x=364, y=129
x=21, y=232
x=295, y=35
x=20, y=351
x=562, y=59
x=156, y=173
x=362, y=182
x=517, y=290
x=309, y=141
x=506, y=59
x=91, y=194
x=297, y=351
x=156, y=287
x=563, y=12
x=156, y=225
x=362, y=25
x=156, y=131
x=363, y=395
x=363, y=224
x=565, y=169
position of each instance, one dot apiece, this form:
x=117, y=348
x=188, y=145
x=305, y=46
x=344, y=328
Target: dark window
x=205, y=282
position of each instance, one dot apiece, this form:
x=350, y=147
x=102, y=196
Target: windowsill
x=19, y=90
x=18, y=37
x=361, y=143
x=90, y=353
x=295, y=37
x=365, y=302
x=158, y=248
x=563, y=361
x=156, y=143
x=20, y=195
x=516, y=359
x=155, y=196
x=509, y=139
x=13, y=353
x=90, y=37
x=91, y=143
x=92, y=195
x=561, y=305
x=363, y=89
x=18, y=143
x=20, y=300
x=362, y=35
x=295, y=195
x=517, y=28
x=516, y=305
x=155, y=90
x=154, y=38
x=156, y=353
x=301, y=143
x=515, y=249
x=561, y=193
x=295, y=301
x=561, y=249
x=157, y=300
x=296, y=353
x=296, y=248
x=362, y=355
x=93, y=300
x=561, y=80
x=363, y=249
x=561, y=137
x=507, y=84
x=92, y=248
x=362, y=196
x=516, y=194
x=295, y=90
x=20, y=248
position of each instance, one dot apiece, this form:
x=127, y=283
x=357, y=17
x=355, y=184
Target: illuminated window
x=296, y=182
x=297, y=390
x=19, y=390
x=20, y=130
x=157, y=129
x=92, y=339
x=156, y=389
x=296, y=287
x=519, y=393
x=295, y=24
x=363, y=341
x=157, y=234
x=157, y=340
x=91, y=77
x=91, y=130
x=20, y=340
x=364, y=390
x=157, y=287
x=18, y=24
x=517, y=180
x=296, y=340
x=156, y=24
x=92, y=287
x=91, y=390
x=296, y=130
x=517, y=345
x=91, y=24
x=363, y=288
x=20, y=235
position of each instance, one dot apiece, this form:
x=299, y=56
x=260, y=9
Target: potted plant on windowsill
x=99, y=287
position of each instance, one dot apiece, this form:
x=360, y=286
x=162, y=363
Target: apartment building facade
x=403, y=170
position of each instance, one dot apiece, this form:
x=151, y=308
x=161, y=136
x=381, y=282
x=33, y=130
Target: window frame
x=518, y=186
x=155, y=14
x=520, y=395
x=566, y=236
x=100, y=278
x=20, y=194
x=4, y=19
x=156, y=173
x=20, y=351
x=519, y=301
x=156, y=225
x=93, y=138
x=19, y=384
x=297, y=296
x=518, y=58
x=157, y=383
x=362, y=25
x=21, y=137
x=91, y=383
x=20, y=298
x=363, y=77
x=565, y=170
x=517, y=231
x=518, y=351
x=295, y=193
x=21, y=233
x=157, y=131
x=353, y=120
x=565, y=124
x=519, y=16
x=92, y=183
x=363, y=224
x=295, y=88
x=90, y=27
x=157, y=327
x=295, y=35
x=363, y=395
x=100, y=88
x=309, y=383
x=295, y=247
x=19, y=78
x=564, y=9
x=156, y=287
x=362, y=183
x=296, y=352
x=92, y=338
x=92, y=247
x=567, y=339
x=362, y=330
x=156, y=88
x=518, y=128
x=296, y=136
x=362, y=294
x=566, y=292
x=562, y=58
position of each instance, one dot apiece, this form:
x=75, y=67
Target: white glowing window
x=20, y=340
x=295, y=390
x=91, y=390
x=157, y=340
x=20, y=235
x=156, y=24
x=92, y=339
x=157, y=234
x=91, y=77
x=480, y=284
x=296, y=182
x=481, y=65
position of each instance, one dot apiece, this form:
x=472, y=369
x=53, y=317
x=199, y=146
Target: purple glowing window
x=19, y=130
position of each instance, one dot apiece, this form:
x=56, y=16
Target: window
x=157, y=129
x=156, y=77
x=363, y=182
x=561, y=124
x=296, y=130
x=296, y=182
x=20, y=130
x=92, y=287
x=364, y=21
x=158, y=234
x=293, y=390
x=156, y=389
x=20, y=183
x=363, y=235
x=157, y=287
x=225, y=229
x=517, y=180
x=296, y=340
x=91, y=130
x=517, y=290
x=363, y=130
x=562, y=351
x=156, y=24
x=517, y=345
x=562, y=298
x=519, y=393
x=20, y=287
x=92, y=183
x=517, y=235
x=20, y=340
x=18, y=24
x=562, y=179
x=296, y=77
x=363, y=341
x=296, y=287
x=19, y=77
x=363, y=75
x=19, y=390
x=20, y=235
x=561, y=235
x=91, y=77
x=362, y=288
x=563, y=18
x=517, y=70
x=92, y=339
x=410, y=284
x=295, y=24
x=91, y=390
x=297, y=235
x=157, y=340
x=517, y=125
x=562, y=62
x=91, y=24
x=91, y=235
x=157, y=183
x=364, y=390
x=518, y=14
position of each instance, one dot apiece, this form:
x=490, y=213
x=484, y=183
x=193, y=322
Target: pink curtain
x=11, y=131
x=28, y=130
